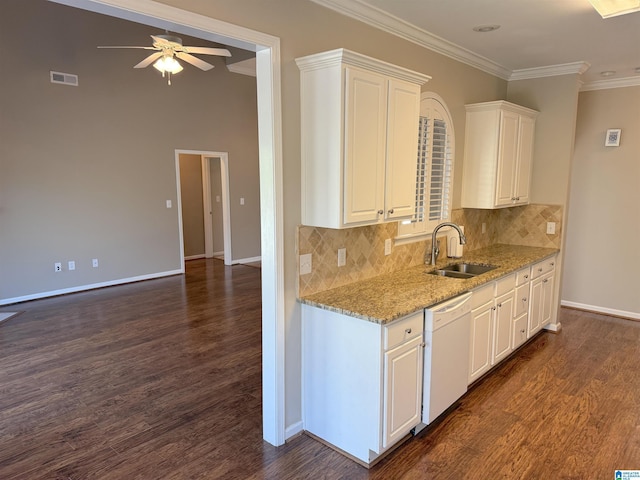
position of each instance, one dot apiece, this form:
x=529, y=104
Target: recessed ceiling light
x=485, y=28
x=613, y=8
x=608, y=73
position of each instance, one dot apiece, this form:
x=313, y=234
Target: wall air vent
x=64, y=78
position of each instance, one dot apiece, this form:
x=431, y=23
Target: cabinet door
x=502, y=329
x=507, y=153
x=522, y=178
x=481, y=336
x=402, y=148
x=535, y=308
x=547, y=298
x=402, y=390
x=364, y=145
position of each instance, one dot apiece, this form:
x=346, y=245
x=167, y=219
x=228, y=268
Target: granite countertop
x=388, y=297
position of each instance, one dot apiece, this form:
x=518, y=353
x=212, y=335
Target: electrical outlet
x=72, y=265
x=94, y=263
x=342, y=257
x=484, y=227
x=551, y=228
x=57, y=267
x=305, y=264
x=387, y=246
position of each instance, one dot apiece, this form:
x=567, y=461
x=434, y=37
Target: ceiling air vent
x=64, y=78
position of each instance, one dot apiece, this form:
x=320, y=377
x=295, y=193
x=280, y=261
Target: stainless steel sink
x=462, y=270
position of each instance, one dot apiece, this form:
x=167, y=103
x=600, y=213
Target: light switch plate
x=342, y=257
x=387, y=246
x=305, y=264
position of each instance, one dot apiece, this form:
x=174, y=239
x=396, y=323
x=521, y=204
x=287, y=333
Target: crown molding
x=383, y=21
x=612, y=83
x=550, y=71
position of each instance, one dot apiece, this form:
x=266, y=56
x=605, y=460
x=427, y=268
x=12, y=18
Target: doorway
x=267, y=48
x=213, y=210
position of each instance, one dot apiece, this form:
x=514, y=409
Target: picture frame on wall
x=613, y=137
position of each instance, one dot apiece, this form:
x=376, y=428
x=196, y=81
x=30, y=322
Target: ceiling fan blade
x=222, y=52
x=196, y=62
x=149, y=60
x=119, y=46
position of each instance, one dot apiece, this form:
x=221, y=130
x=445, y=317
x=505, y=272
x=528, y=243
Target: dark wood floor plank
x=162, y=380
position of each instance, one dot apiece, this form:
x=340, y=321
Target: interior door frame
x=205, y=167
x=269, y=94
x=207, y=159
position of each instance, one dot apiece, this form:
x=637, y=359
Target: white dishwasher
x=447, y=327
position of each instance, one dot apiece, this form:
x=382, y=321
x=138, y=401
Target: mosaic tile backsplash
x=525, y=225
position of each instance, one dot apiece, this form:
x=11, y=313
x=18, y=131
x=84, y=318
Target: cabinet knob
x=407, y=331
x=545, y=280
x=500, y=305
x=493, y=308
x=553, y=263
x=380, y=212
x=522, y=331
x=391, y=212
x=524, y=299
x=526, y=276
x=540, y=269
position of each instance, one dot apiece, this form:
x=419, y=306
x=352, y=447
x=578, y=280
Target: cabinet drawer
x=482, y=295
x=519, y=335
x=523, y=276
x=522, y=300
x=545, y=266
x=505, y=284
x=403, y=330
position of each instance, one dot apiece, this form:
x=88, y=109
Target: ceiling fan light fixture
x=613, y=8
x=168, y=64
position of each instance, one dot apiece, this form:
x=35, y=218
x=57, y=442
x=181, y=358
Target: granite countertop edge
x=388, y=297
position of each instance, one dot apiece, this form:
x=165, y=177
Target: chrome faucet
x=435, y=250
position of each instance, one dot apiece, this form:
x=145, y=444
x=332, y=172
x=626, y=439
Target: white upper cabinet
x=359, y=135
x=498, y=154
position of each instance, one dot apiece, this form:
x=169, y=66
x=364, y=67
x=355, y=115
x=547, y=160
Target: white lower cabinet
x=491, y=325
x=541, y=295
x=361, y=381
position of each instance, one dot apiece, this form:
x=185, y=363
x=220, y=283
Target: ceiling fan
x=167, y=48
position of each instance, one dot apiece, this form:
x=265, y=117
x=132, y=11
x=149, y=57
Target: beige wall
x=85, y=171
x=216, y=207
x=602, y=260
x=192, y=205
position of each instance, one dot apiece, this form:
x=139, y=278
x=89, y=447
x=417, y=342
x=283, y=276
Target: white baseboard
x=219, y=254
x=194, y=257
x=246, y=260
x=605, y=310
x=293, y=430
x=82, y=288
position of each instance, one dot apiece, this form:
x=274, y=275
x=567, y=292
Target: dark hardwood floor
x=161, y=380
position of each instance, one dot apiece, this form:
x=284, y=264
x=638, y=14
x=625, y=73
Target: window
x=434, y=173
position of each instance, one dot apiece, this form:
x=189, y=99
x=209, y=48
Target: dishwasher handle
x=453, y=304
